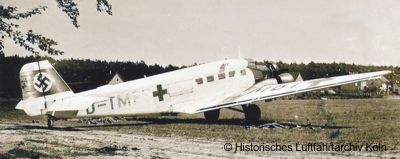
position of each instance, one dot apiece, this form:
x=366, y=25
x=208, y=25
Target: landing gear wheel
x=212, y=115
x=252, y=113
x=50, y=121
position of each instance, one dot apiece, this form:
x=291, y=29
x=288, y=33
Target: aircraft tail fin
x=41, y=79
x=41, y=85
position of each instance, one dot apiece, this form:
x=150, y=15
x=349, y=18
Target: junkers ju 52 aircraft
x=205, y=88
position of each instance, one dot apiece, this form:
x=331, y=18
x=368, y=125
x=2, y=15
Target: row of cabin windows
x=220, y=76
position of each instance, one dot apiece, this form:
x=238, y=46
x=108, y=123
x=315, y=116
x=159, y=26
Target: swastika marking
x=42, y=82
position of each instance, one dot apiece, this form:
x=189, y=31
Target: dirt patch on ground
x=35, y=141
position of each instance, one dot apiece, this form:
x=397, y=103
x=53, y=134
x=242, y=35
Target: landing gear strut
x=212, y=115
x=252, y=113
x=50, y=121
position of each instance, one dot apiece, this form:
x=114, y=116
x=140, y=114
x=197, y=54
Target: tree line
x=79, y=74
x=87, y=74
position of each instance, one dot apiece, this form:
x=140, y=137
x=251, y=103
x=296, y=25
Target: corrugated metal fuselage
x=183, y=90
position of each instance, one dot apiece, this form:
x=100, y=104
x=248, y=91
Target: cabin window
x=231, y=73
x=243, y=72
x=221, y=76
x=210, y=78
x=199, y=81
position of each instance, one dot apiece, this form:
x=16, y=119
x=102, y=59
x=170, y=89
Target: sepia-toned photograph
x=199, y=79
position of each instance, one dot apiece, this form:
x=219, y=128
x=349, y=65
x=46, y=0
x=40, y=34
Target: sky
x=182, y=32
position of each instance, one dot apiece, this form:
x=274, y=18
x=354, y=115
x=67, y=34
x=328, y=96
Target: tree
x=31, y=41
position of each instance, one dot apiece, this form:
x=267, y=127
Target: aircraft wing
x=262, y=91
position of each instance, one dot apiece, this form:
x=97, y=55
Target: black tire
x=212, y=115
x=252, y=113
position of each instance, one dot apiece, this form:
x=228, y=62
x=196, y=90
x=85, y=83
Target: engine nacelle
x=286, y=77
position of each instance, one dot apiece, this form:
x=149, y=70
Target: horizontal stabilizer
x=73, y=104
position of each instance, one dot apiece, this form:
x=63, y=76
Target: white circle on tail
x=42, y=82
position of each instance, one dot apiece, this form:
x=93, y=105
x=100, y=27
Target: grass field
x=354, y=121
x=342, y=121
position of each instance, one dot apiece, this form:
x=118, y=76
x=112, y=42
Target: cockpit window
x=259, y=70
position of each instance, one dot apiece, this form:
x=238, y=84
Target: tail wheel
x=50, y=121
x=252, y=112
x=212, y=115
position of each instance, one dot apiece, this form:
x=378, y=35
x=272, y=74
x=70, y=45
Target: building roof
x=116, y=79
x=299, y=78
